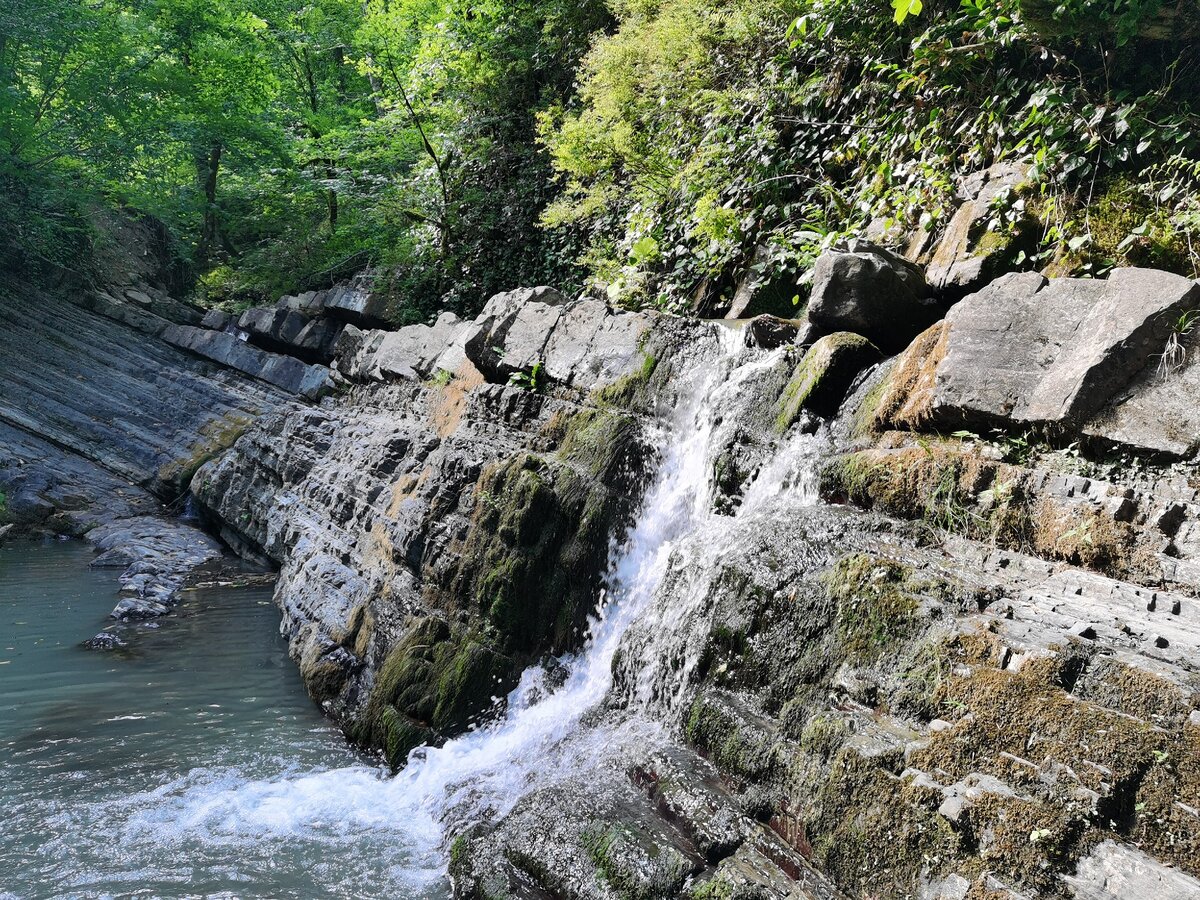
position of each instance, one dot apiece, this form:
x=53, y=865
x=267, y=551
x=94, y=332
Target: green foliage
x=287, y=144
x=534, y=380
x=3, y=508
x=905, y=8
x=714, y=127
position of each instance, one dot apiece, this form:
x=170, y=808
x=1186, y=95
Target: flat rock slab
x=157, y=554
x=1030, y=350
x=308, y=380
x=95, y=386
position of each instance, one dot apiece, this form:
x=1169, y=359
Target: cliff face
x=447, y=521
x=901, y=663
x=891, y=660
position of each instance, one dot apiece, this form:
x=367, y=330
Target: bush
x=707, y=128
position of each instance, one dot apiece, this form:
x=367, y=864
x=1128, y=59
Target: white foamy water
x=399, y=824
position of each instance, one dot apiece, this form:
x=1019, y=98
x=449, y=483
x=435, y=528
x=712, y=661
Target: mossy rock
x=876, y=608
x=526, y=576
x=432, y=684
x=730, y=740
x=532, y=563
x=633, y=863
x=626, y=391
x=216, y=436
x=1141, y=770
x=823, y=376
x=951, y=486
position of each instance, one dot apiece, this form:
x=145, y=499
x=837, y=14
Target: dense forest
x=655, y=149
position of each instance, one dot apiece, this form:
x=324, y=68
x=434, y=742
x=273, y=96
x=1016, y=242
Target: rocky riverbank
x=934, y=633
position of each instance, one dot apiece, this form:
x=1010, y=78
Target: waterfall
x=483, y=773
x=544, y=733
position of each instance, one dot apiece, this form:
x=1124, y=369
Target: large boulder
x=354, y=304
x=1157, y=412
x=514, y=329
x=768, y=332
x=410, y=353
x=1026, y=350
x=873, y=292
x=969, y=253
x=592, y=344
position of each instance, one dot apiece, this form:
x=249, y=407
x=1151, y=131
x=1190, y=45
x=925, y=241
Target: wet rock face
x=970, y=672
x=449, y=520
x=768, y=332
x=823, y=376
x=880, y=717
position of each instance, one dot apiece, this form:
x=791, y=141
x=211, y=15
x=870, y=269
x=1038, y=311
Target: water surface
x=190, y=764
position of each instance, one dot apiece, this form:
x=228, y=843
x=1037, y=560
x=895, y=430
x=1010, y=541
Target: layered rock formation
x=448, y=521
x=933, y=633
x=102, y=423
x=988, y=691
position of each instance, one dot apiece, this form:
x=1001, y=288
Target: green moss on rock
x=874, y=833
x=527, y=574
x=953, y=487
x=730, y=742
x=626, y=390
x=431, y=685
x=823, y=375
x=875, y=608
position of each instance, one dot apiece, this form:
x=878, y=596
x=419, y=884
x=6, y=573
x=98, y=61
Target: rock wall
x=447, y=521
x=102, y=425
x=970, y=671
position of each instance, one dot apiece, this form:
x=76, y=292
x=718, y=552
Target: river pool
x=189, y=764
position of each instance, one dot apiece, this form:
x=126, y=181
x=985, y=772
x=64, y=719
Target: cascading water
x=545, y=734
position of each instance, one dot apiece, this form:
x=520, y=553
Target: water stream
x=196, y=767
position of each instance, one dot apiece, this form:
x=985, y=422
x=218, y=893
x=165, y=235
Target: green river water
x=189, y=764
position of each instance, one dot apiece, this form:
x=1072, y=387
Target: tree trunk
x=208, y=165
x=333, y=201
